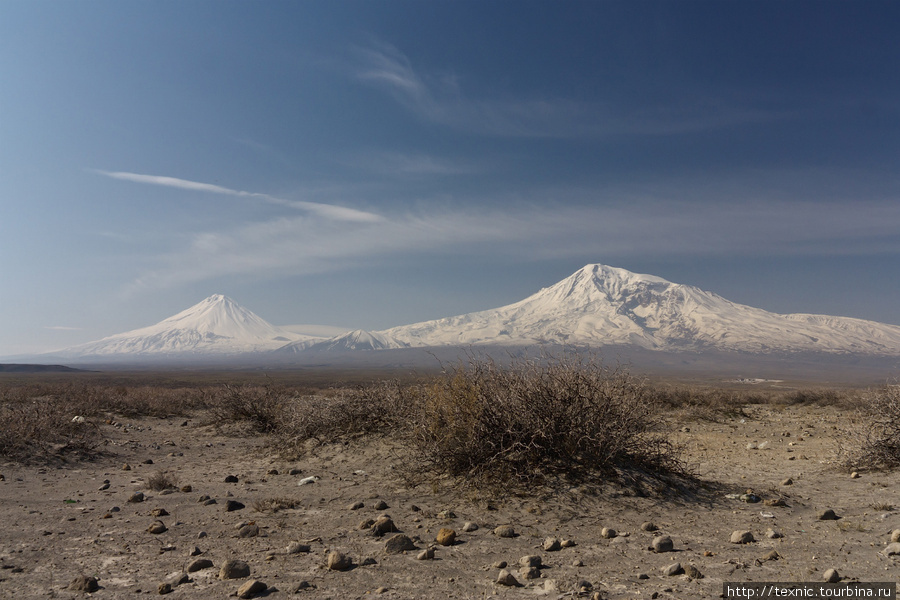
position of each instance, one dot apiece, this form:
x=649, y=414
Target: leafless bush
x=873, y=441
x=162, y=480
x=345, y=413
x=40, y=428
x=570, y=417
x=262, y=406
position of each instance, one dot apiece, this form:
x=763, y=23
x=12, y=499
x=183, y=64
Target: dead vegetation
x=872, y=440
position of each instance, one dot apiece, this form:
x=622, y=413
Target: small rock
x=84, y=583
x=854, y=475
x=157, y=527
x=249, y=530
x=749, y=498
x=368, y=561
x=272, y=472
x=446, y=537
x=742, y=537
x=338, y=561
x=505, y=531
x=105, y=486
x=136, y=497
x=187, y=489
x=446, y=514
x=693, y=572
x=774, y=535
x=365, y=524
x=233, y=505
x=895, y=535
x=530, y=573
x=648, y=526
x=426, y=554
x=787, y=481
x=662, y=543
x=831, y=576
x=506, y=578
x=532, y=560
x=381, y=590
x=673, y=569
x=500, y=564
x=126, y=467
x=399, y=543
x=382, y=525
x=381, y=505
x=567, y=543
x=356, y=506
x=199, y=565
x=468, y=527
x=775, y=502
x=164, y=588
x=295, y=471
x=827, y=515
x=251, y=588
x=297, y=548
x=231, y=479
x=643, y=576
x=577, y=563
x=148, y=461
x=551, y=544
x=892, y=548
x=608, y=533
x=210, y=502
x=195, y=551
x=234, y=569
x=303, y=586
x=773, y=555
x=159, y=512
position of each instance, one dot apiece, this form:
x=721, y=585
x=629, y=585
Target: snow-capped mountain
x=353, y=340
x=216, y=326
x=600, y=305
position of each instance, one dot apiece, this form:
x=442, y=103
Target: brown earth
x=58, y=524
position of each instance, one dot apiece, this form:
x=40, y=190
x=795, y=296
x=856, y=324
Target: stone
x=233, y=505
x=195, y=551
x=469, y=527
x=506, y=578
x=249, y=530
x=356, y=506
x=500, y=564
x=157, y=527
x=426, y=554
x=673, y=569
x=551, y=544
x=773, y=555
x=136, y=497
x=892, y=548
x=608, y=533
x=231, y=479
x=303, y=586
x=446, y=537
x=187, y=489
x=365, y=524
x=773, y=535
x=530, y=573
x=399, y=543
x=787, y=481
x=198, y=565
x=84, y=583
x=446, y=514
x=296, y=548
x=662, y=543
x=251, y=588
x=382, y=525
x=126, y=467
x=532, y=560
x=164, y=588
x=234, y=569
x=854, y=475
x=505, y=531
x=831, y=576
x=367, y=561
x=338, y=561
x=567, y=543
x=648, y=526
x=895, y=535
x=693, y=572
x=159, y=512
x=742, y=537
x=827, y=515
x=381, y=505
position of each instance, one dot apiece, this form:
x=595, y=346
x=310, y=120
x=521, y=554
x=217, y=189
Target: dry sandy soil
x=59, y=522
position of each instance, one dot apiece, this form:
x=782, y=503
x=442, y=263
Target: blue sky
x=371, y=164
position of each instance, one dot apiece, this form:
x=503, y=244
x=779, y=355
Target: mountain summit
x=217, y=325
x=600, y=305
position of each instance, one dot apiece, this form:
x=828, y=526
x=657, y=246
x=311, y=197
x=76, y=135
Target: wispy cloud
x=327, y=211
x=441, y=99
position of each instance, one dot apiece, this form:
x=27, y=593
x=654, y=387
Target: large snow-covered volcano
x=600, y=305
x=216, y=326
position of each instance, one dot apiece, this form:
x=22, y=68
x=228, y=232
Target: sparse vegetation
x=162, y=480
x=873, y=439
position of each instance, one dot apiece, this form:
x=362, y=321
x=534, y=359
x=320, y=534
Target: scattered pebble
x=608, y=533
x=831, y=576
x=551, y=544
x=742, y=537
x=382, y=525
x=426, y=554
x=673, y=569
x=381, y=505
x=468, y=527
x=136, y=497
x=296, y=548
x=356, y=506
x=827, y=515
x=84, y=583
x=233, y=505
x=234, y=569
x=662, y=543
x=198, y=565
x=648, y=526
x=157, y=527
x=506, y=578
x=251, y=588
x=231, y=479
x=338, y=561
x=399, y=543
x=446, y=537
x=505, y=531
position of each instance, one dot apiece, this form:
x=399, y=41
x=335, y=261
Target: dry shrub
x=261, y=406
x=274, y=505
x=694, y=403
x=162, y=480
x=873, y=441
x=378, y=408
x=533, y=421
x=41, y=428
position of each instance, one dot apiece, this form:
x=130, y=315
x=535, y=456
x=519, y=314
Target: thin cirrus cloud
x=440, y=99
x=327, y=211
x=642, y=227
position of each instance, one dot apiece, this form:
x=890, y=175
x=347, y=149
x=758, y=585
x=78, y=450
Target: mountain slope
x=600, y=305
x=218, y=325
x=350, y=341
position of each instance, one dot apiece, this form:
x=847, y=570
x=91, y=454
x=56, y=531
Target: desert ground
x=231, y=498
